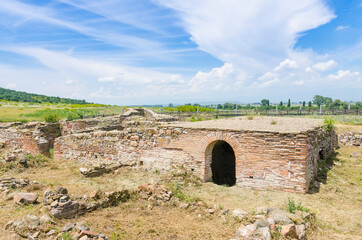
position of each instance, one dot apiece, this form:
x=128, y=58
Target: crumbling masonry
x=261, y=159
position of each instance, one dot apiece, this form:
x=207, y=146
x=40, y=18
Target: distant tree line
x=17, y=96
x=318, y=100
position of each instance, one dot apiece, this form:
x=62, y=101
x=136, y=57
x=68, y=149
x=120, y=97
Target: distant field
x=27, y=112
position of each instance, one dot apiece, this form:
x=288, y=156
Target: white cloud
x=298, y=83
x=222, y=78
x=91, y=74
x=267, y=80
x=343, y=75
x=324, y=66
x=252, y=35
x=341, y=27
x=107, y=79
x=287, y=63
x=308, y=69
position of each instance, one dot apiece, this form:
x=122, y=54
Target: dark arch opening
x=223, y=164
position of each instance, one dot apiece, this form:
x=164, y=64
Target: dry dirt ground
x=256, y=123
x=337, y=204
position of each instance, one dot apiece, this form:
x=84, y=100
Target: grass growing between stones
x=337, y=204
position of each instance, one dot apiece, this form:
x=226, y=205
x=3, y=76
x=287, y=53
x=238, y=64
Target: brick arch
x=207, y=145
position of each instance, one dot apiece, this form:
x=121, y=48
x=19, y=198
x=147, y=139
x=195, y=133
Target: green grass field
x=27, y=112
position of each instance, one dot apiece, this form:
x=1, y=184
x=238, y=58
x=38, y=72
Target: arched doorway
x=223, y=164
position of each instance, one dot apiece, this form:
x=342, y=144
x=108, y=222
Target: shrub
x=328, y=124
x=273, y=122
x=51, y=118
x=292, y=207
x=66, y=236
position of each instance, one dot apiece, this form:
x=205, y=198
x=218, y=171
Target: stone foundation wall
x=320, y=146
x=264, y=160
x=137, y=144
x=34, y=138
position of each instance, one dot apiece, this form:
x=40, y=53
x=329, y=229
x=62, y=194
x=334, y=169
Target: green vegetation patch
x=53, y=115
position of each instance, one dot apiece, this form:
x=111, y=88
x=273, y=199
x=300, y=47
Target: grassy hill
x=17, y=96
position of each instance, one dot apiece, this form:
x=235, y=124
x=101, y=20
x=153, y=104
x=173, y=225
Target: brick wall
x=34, y=138
x=264, y=160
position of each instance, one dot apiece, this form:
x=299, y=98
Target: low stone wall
x=137, y=144
x=90, y=125
x=351, y=139
x=320, y=146
x=34, y=138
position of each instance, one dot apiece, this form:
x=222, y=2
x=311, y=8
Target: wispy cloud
x=47, y=15
x=341, y=27
x=140, y=14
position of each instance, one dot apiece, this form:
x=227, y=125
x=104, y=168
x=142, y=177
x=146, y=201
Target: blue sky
x=179, y=51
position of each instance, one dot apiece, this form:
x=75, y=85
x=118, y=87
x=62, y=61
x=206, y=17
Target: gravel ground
x=263, y=124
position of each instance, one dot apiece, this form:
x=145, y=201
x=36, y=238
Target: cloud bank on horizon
x=161, y=51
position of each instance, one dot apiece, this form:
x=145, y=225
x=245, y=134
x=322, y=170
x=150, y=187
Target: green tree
x=319, y=100
x=219, y=106
x=281, y=103
x=303, y=103
x=170, y=105
x=265, y=102
x=288, y=102
x=328, y=101
x=309, y=104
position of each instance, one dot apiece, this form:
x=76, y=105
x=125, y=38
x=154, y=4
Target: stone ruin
x=260, y=158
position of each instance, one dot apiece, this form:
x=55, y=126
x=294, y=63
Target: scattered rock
x=351, y=139
x=97, y=171
x=355, y=154
x=65, y=210
x=211, y=210
x=61, y=190
x=96, y=194
x=261, y=211
x=261, y=224
x=51, y=232
x=273, y=227
x=265, y=232
x=225, y=211
x=289, y=231
x=44, y=219
x=88, y=233
x=270, y=221
x=301, y=231
x=25, y=198
x=68, y=227
x=280, y=216
x=24, y=226
x=239, y=214
x=245, y=231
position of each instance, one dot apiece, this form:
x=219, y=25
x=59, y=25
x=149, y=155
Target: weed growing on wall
x=328, y=124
